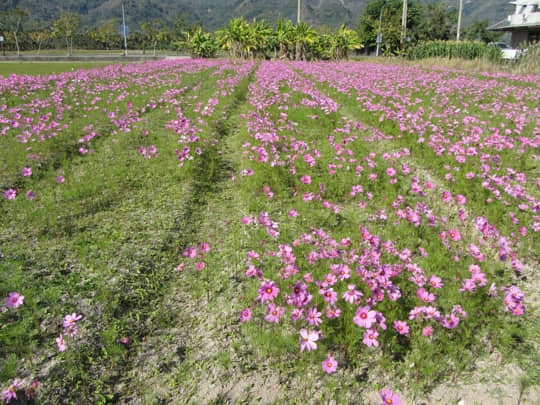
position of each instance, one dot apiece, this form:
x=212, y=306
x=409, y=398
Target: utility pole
x=459, y=19
x=125, y=32
x=379, y=34
x=298, y=15
x=404, y=24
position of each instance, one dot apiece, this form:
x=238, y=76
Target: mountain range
x=214, y=14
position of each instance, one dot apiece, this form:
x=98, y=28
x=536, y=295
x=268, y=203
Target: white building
x=524, y=24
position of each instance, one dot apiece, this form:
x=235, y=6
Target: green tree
x=436, y=22
x=199, y=44
x=107, y=34
x=11, y=22
x=154, y=32
x=478, y=32
x=304, y=37
x=65, y=28
x=343, y=41
x=234, y=37
x=391, y=23
x=39, y=36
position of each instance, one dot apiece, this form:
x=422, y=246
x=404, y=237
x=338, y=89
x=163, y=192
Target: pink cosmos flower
x=11, y=392
x=10, y=194
x=391, y=172
x=313, y=317
x=427, y=331
x=14, y=299
x=454, y=235
x=447, y=196
x=124, y=340
x=292, y=213
x=61, y=343
x=364, y=317
x=60, y=179
x=274, y=313
x=30, y=195
x=246, y=315
x=401, y=327
x=370, y=338
x=329, y=365
x=305, y=179
x=268, y=291
x=26, y=171
x=190, y=252
x=389, y=398
x=461, y=199
x=435, y=281
x=71, y=319
x=200, y=266
x=308, y=339
x=204, y=247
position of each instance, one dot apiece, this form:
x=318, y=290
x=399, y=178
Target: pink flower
x=14, y=299
x=71, y=319
x=10, y=194
x=447, y=196
x=364, y=317
x=11, y=392
x=60, y=179
x=313, y=317
x=329, y=365
x=305, y=179
x=391, y=172
x=308, y=339
x=200, y=265
x=204, y=247
x=26, y=171
x=401, y=327
x=61, y=343
x=268, y=291
x=427, y=331
x=454, y=235
x=190, y=252
x=460, y=199
x=30, y=195
x=389, y=398
x=246, y=315
x=292, y=213
x=370, y=338
x=124, y=340
x=274, y=313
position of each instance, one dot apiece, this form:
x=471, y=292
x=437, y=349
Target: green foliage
x=200, y=44
x=453, y=49
x=65, y=28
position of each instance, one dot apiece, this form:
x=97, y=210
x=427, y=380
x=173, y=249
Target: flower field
x=219, y=231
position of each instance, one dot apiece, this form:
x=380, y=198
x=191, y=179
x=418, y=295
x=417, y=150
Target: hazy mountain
x=215, y=13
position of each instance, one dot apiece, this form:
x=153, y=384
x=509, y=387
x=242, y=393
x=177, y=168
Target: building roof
x=504, y=25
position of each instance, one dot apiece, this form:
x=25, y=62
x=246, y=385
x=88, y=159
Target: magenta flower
x=204, y=247
x=364, y=317
x=60, y=179
x=274, y=313
x=190, y=252
x=461, y=199
x=370, y=338
x=26, y=171
x=245, y=315
x=30, y=195
x=11, y=392
x=305, y=179
x=61, y=343
x=329, y=365
x=308, y=339
x=10, y=194
x=454, y=235
x=200, y=265
x=71, y=319
x=267, y=291
x=14, y=299
x=313, y=316
x=401, y=327
x=389, y=398
x=427, y=331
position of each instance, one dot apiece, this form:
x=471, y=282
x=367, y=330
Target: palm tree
x=304, y=37
x=285, y=34
x=234, y=37
x=343, y=41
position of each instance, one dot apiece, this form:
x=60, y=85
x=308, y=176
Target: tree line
x=249, y=39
